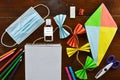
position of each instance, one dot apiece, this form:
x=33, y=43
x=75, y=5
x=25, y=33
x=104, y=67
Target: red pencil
x=10, y=60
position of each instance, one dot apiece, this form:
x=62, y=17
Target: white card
x=43, y=62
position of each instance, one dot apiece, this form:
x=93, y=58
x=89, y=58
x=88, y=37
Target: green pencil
x=9, y=71
x=11, y=64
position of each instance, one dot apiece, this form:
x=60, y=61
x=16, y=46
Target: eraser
x=72, y=11
x=81, y=12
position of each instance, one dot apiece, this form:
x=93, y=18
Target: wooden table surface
x=10, y=10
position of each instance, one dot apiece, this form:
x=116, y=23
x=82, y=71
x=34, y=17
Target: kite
x=101, y=29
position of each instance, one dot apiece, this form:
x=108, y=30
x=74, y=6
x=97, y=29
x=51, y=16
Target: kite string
x=77, y=58
x=40, y=38
x=68, y=28
x=72, y=33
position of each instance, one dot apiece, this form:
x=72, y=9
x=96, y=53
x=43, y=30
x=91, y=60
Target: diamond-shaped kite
x=100, y=28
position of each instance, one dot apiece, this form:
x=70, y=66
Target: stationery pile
x=12, y=64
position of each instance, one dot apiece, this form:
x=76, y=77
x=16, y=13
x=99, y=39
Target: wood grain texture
x=10, y=10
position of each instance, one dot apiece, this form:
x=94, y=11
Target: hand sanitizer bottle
x=48, y=31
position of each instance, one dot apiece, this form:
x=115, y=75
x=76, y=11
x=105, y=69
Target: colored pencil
x=72, y=73
x=14, y=71
x=1, y=59
x=68, y=73
x=11, y=64
x=13, y=50
x=9, y=71
x=10, y=60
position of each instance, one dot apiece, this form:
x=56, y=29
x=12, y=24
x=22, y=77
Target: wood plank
x=16, y=8
x=10, y=10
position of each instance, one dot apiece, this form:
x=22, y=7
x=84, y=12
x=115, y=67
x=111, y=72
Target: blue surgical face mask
x=25, y=25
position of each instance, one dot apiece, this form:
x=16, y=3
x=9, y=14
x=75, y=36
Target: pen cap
x=48, y=21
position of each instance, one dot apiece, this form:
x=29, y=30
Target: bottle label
x=48, y=31
x=48, y=34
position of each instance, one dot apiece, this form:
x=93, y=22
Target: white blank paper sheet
x=43, y=62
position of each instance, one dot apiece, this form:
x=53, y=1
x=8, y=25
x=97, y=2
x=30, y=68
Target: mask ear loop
x=43, y=18
x=45, y=7
x=4, y=43
x=36, y=39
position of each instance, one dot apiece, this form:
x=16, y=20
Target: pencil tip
x=14, y=48
x=21, y=60
x=21, y=49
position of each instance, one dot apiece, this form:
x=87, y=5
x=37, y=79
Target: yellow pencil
x=13, y=50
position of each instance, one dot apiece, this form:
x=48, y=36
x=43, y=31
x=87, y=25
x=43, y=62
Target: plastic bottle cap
x=48, y=21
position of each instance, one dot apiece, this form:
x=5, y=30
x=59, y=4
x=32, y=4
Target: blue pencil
x=9, y=71
x=72, y=73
